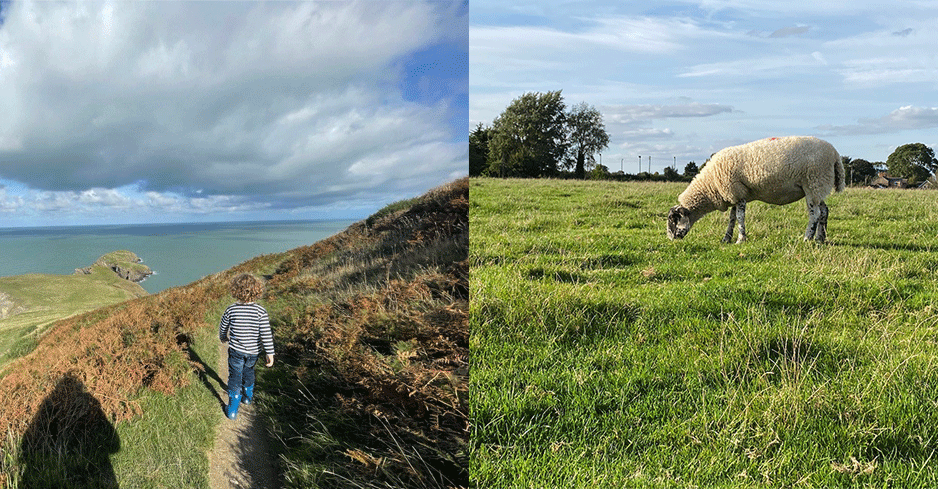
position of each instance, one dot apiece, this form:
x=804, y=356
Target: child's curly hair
x=247, y=288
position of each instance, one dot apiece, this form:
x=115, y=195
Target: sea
x=177, y=253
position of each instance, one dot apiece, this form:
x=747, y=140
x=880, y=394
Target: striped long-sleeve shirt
x=247, y=327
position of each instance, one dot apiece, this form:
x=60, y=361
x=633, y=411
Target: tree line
x=537, y=136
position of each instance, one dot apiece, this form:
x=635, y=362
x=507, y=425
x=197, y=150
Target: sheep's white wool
x=773, y=170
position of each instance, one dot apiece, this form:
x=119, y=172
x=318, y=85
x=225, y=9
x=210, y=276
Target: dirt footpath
x=241, y=458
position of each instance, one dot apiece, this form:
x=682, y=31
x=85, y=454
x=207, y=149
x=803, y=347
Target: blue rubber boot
x=248, y=397
x=234, y=401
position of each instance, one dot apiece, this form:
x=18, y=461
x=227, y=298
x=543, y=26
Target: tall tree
x=586, y=135
x=859, y=171
x=691, y=170
x=478, y=150
x=671, y=175
x=914, y=161
x=527, y=139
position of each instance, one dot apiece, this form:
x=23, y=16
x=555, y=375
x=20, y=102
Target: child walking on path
x=246, y=326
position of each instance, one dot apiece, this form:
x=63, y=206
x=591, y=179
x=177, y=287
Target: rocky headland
x=125, y=264
x=8, y=307
x=31, y=302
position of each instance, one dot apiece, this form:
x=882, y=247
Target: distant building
x=885, y=181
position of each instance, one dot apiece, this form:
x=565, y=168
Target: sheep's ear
x=677, y=212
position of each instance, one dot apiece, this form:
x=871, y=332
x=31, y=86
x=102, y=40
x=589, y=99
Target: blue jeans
x=240, y=370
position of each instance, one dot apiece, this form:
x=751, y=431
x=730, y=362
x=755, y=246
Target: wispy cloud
x=895, y=70
x=619, y=34
x=790, y=31
x=627, y=114
x=901, y=119
x=762, y=66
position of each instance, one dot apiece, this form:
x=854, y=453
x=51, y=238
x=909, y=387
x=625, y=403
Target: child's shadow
x=69, y=441
x=207, y=374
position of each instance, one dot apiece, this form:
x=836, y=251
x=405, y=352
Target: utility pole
x=639, y=163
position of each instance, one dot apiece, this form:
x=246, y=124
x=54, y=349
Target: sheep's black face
x=678, y=222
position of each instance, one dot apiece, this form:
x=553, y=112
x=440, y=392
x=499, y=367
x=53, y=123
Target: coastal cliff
x=8, y=307
x=32, y=301
x=125, y=264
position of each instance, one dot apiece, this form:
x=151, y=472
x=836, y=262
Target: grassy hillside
x=373, y=328
x=605, y=355
x=34, y=301
x=368, y=391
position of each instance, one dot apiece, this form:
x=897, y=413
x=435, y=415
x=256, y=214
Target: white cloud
x=104, y=197
x=520, y=54
x=263, y=105
x=648, y=133
x=900, y=52
x=9, y=203
x=126, y=204
x=790, y=31
x=761, y=66
x=902, y=119
x=619, y=34
x=875, y=72
x=836, y=7
x=631, y=113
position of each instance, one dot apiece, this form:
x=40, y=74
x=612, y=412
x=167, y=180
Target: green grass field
x=45, y=299
x=605, y=355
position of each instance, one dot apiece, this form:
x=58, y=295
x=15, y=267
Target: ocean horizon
x=178, y=253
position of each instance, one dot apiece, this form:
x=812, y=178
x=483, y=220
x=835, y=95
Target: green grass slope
x=369, y=389
x=36, y=301
x=605, y=355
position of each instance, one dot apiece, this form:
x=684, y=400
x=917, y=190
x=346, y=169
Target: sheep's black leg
x=729, y=229
x=821, y=235
x=741, y=217
x=813, y=217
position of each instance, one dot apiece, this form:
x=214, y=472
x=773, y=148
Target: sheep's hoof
x=742, y=239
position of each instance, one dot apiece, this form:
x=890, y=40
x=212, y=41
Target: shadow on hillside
x=207, y=374
x=69, y=441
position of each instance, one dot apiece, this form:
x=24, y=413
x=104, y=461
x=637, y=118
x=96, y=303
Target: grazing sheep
x=774, y=170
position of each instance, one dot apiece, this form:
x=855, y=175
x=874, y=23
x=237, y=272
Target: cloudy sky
x=683, y=79
x=128, y=112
